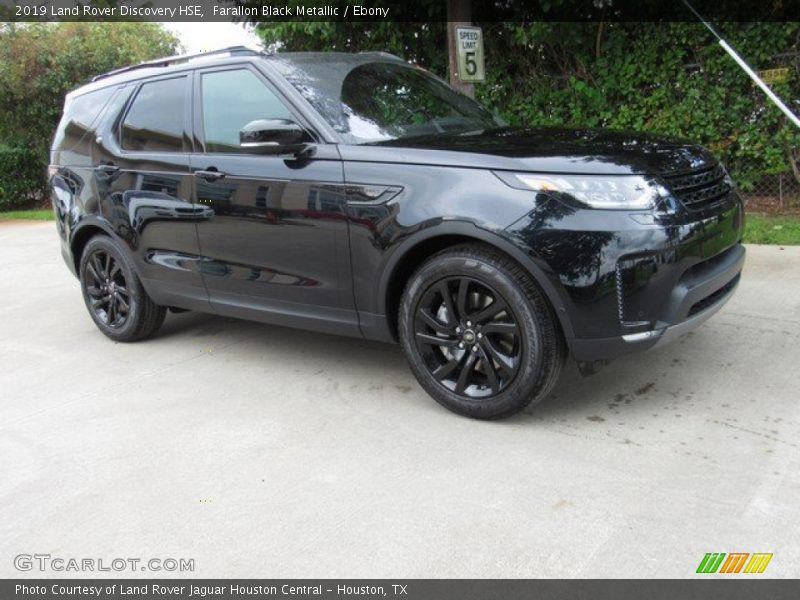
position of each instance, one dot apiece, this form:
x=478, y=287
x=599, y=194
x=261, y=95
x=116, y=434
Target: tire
x=114, y=295
x=497, y=327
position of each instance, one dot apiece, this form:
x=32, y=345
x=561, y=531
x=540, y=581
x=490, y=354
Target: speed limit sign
x=469, y=51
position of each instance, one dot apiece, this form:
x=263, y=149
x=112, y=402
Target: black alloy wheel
x=113, y=293
x=479, y=334
x=109, y=298
x=468, y=336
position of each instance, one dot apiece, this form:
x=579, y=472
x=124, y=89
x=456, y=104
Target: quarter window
x=155, y=120
x=80, y=115
x=231, y=100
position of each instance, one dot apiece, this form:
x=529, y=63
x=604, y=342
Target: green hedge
x=22, y=178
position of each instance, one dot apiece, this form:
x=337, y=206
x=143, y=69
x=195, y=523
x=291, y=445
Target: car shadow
x=634, y=382
x=299, y=344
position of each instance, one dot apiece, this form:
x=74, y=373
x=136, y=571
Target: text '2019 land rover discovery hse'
x=357, y=194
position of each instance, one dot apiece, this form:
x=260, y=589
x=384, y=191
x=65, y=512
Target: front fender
x=533, y=264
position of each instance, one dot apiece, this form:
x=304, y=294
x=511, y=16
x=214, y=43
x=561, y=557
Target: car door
x=144, y=187
x=276, y=248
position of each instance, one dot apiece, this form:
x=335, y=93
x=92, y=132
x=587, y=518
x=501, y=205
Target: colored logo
x=735, y=562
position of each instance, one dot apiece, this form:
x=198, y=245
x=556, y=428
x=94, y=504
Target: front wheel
x=479, y=335
x=114, y=295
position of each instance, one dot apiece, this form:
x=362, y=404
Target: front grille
x=712, y=299
x=699, y=189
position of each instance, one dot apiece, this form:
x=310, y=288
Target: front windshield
x=378, y=101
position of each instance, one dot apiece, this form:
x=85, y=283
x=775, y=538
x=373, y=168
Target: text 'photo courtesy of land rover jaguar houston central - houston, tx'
x=357, y=194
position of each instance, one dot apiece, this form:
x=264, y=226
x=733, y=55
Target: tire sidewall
x=521, y=390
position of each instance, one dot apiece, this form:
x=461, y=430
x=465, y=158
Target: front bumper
x=698, y=296
x=626, y=282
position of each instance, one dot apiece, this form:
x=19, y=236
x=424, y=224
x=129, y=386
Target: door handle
x=108, y=169
x=210, y=174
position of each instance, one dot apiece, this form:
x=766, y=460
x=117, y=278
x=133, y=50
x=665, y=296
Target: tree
x=40, y=63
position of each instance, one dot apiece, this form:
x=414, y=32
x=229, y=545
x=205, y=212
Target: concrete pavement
x=260, y=451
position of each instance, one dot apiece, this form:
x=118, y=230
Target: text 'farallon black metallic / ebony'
x=359, y=195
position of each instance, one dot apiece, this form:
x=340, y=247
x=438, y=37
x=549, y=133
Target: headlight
x=629, y=192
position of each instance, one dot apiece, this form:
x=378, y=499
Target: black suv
x=357, y=194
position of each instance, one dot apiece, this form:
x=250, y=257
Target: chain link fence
x=774, y=193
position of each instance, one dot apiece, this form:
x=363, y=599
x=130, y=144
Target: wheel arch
x=414, y=250
x=81, y=236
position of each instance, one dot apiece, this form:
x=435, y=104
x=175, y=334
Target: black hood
x=557, y=149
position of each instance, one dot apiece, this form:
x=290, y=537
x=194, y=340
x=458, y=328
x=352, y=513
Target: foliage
x=669, y=78
x=424, y=44
x=27, y=215
x=767, y=229
x=21, y=175
x=41, y=62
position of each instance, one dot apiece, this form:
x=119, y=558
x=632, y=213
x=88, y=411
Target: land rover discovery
x=357, y=194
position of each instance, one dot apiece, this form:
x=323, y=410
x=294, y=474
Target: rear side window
x=231, y=100
x=81, y=116
x=154, y=122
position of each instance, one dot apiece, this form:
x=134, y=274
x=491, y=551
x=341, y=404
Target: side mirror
x=272, y=136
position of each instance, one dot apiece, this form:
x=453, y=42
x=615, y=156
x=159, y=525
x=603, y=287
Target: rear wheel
x=478, y=333
x=114, y=295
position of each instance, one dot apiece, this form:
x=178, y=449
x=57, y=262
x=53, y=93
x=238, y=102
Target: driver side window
x=231, y=100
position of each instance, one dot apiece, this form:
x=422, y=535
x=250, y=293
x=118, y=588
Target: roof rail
x=172, y=60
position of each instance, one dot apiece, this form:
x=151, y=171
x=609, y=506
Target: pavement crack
x=752, y=432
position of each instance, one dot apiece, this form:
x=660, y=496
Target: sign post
x=459, y=14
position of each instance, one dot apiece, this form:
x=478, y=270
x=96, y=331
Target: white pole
x=740, y=61
x=764, y=87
